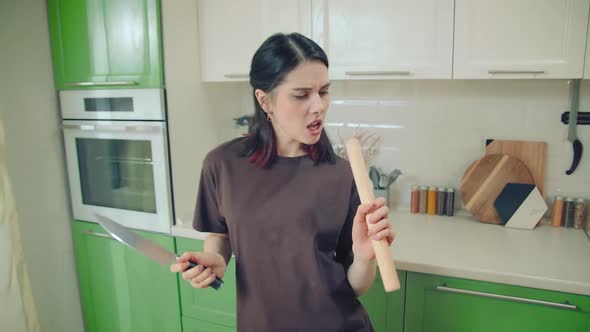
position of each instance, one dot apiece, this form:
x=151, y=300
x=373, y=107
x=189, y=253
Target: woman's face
x=298, y=107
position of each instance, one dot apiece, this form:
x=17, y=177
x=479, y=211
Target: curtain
x=17, y=308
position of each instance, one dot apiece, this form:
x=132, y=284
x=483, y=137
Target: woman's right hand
x=208, y=267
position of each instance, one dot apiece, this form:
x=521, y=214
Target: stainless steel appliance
x=117, y=156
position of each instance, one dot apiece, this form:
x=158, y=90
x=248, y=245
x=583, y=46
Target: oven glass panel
x=117, y=173
x=115, y=104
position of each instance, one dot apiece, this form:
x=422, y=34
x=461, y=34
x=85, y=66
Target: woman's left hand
x=374, y=213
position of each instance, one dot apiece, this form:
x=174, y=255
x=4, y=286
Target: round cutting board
x=485, y=178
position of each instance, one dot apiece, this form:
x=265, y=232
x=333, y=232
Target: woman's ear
x=262, y=98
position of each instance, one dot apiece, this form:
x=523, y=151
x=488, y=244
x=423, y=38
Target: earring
x=268, y=116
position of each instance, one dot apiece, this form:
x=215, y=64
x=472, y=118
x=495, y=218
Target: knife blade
x=144, y=246
x=572, y=134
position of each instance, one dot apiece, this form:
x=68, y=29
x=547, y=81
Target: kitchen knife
x=572, y=135
x=583, y=118
x=145, y=246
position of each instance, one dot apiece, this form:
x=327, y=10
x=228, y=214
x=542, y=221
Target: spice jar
x=579, y=213
x=450, y=202
x=415, y=200
x=569, y=210
x=423, y=199
x=431, y=204
x=440, y=201
x=557, y=211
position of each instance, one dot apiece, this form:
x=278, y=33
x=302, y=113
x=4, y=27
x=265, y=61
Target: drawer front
x=210, y=305
x=195, y=325
x=453, y=304
x=386, y=310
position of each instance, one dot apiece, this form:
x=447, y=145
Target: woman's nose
x=318, y=104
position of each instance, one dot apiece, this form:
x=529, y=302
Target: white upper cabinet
x=231, y=31
x=378, y=39
x=520, y=38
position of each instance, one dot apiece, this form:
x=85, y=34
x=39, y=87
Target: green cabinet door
x=386, y=310
x=195, y=325
x=441, y=304
x=122, y=290
x=106, y=43
x=208, y=304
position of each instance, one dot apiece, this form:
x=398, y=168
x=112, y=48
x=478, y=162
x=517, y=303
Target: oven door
x=119, y=169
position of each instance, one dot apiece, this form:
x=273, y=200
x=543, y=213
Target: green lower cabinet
x=121, y=290
x=435, y=303
x=195, y=325
x=208, y=305
x=386, y=310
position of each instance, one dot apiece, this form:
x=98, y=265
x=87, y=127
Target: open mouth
x=314, y=126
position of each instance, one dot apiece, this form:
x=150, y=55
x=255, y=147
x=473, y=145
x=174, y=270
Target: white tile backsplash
x=433, y=130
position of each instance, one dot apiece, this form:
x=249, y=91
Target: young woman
x=287, y=206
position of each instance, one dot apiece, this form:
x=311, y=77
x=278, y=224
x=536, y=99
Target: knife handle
x=578, y=149
x=216, y=284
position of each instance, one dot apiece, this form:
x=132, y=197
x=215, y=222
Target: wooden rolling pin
x=365, y=190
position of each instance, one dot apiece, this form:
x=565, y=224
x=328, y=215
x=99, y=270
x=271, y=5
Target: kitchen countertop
x=546, y=257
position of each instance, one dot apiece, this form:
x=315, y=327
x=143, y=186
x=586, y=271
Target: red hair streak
x=261, y=157
x=312, y=151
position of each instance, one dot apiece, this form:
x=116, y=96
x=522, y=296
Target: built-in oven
x=117, y=156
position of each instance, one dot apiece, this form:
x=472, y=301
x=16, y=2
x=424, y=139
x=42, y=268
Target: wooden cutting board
x=485, y=178
x=532, y=154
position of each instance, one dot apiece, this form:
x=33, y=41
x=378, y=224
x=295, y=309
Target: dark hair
x=275, y=58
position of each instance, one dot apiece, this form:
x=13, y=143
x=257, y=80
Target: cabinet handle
x=98, y=234
x=113, y=83
x=378, y=73
x=236, y=75
x=493, y=71
x=505, y=297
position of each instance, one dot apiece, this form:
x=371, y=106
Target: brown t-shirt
x=290, y=230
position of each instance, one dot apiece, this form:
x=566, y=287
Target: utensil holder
x=382, y=193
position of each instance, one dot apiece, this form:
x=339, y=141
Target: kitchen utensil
x=532, y=154
x=146, y=247
x=583, y=118
x=485, y=178
x=393, y=176
x=242, y=121
x=363, y=185
x=375, y=177
x=572, y=135
x=385, y=180
x=369, y=140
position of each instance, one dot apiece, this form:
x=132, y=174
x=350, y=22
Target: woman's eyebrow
x=308, y=89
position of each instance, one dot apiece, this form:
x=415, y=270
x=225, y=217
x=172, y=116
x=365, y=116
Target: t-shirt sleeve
x=208, y=217
x=344, y=253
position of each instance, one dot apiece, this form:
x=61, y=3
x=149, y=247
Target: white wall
x=194, y=108
x=36, y=163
